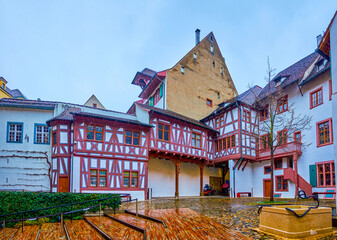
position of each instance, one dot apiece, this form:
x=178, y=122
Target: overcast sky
x=68, y=50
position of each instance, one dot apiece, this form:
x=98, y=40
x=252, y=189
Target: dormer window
x=182, y=70
x=321, y=64
x=212, y=49
x=279, y=81
x=195, y=56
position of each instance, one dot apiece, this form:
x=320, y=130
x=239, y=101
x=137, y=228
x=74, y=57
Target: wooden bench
x=240, y=193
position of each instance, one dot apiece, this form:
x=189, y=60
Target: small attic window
x=212, y=49
x=3, y=86
x=218, y=95
x=221, y=71
x=182, y=70
x=94, y=105
x=209, y=102
x=211, y=38
x=279, y=81
x=213, y=64
x=195, y=56
x=321, y=64
x=235, y=94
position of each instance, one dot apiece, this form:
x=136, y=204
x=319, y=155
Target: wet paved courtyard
x=239, y=214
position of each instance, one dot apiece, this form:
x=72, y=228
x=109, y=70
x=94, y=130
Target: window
x=130, y=177
x=97, y=178
x=217, y=122
x=213, y=64
x=151, y=101
x=41, y=134
x=161, y=91
x=54, y=138
x=221, y=71
x=218, y=95
x=225, y=143
x=281, y=183
x=221, y=121
x=321, y=64
x=163, y=132
x=94, y=133
x=246, y=116
x=212, y=48
x=282, y=137
x=195, y=56
x=132, y=138
x=326, y=174
x=94, y=105
x=233, y=141
x=282, y=104
x=324, y=132
x=196, y=140
x=267, y=169
x=297, y=137
x=182, y=70
x=265, y=141
x=264, y=113
x=316, y=97
x=279, y=81
x=14, y=132
x=278, y=164
x=209, y=102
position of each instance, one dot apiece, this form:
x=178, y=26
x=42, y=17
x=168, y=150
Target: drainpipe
x=241, y=158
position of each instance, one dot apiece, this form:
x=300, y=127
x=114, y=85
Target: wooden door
x=266, y=186
x=64, y=184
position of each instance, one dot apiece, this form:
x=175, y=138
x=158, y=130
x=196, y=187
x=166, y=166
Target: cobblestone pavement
x=239, y=214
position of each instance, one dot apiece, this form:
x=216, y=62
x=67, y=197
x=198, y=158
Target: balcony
x=285, y=150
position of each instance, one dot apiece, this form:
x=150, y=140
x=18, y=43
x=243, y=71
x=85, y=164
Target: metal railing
x=62, y=213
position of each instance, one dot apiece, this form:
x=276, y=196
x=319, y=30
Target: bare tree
x=278, y=121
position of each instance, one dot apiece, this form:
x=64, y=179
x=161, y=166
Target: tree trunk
x=271, y=198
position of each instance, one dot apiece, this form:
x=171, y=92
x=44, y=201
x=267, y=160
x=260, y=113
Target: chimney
x=197, y=36
x=319, y=39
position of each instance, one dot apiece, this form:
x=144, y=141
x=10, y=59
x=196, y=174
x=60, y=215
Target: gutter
x=30, y=107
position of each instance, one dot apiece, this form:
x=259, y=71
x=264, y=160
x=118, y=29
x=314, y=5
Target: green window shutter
x=151, y=101
x=161, y=91
x=313, y=175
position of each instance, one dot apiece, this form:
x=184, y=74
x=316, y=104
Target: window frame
x=94, y=139
x=211, y=48
x=182, y=70
x=196, y=135
x=163, y=132
x=210, y=104
x=276, y=167
x=94, y=105
x=15, y=133
x=246, y=116
x=282, y=132
x=329, y=120
x=332, y=174
x=282, y=189
x=295, y=140
x=132, y=138
x=264, y=113
x=35, y=133
x=284, y=101
x=320, y=89
x=265, y=169
x=130, y=179
x=98, y=176
x=267, y=135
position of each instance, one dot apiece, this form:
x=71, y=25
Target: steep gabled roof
x=248, y=97
x=93, y=98
x=293, y=74
x=174, y=115
x=16, y=93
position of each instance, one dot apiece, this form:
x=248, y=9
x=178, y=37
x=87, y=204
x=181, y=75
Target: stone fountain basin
x=279, y=221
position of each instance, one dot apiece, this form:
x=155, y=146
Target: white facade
x=24, y=165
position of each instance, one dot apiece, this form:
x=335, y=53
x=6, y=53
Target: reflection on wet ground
x=239, y=214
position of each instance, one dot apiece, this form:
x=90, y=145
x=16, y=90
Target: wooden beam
x=177, y=165
x=201, y=180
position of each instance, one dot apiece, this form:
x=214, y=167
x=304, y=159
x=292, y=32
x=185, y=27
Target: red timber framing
x=62, y=148
x=180, y=146
x=111, y=154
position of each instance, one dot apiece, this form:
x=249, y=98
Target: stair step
x=114, y=229
x=80, y=229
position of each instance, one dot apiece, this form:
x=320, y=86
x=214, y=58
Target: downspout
x=241, y=158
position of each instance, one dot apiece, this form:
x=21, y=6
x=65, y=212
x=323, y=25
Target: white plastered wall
x=162, y=178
